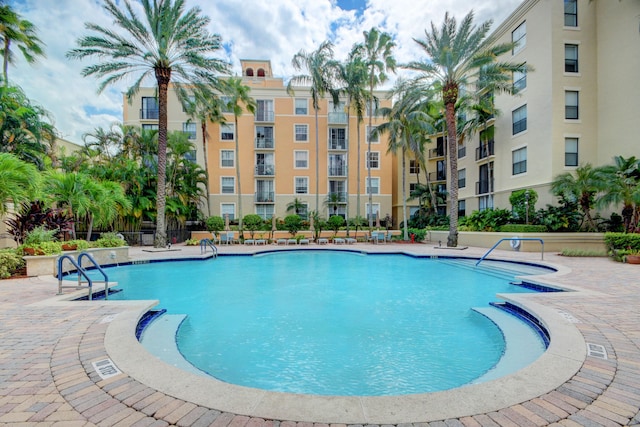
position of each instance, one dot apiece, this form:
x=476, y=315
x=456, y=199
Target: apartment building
x=580, y=105
x=277, y=151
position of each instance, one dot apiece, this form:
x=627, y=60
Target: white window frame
x=295, y=184
x=190, y=129
x=222, y=158
x=368, y=160
x=372, y=209
x=296, y=133
x=222, y=186
x=462, y=178
x=571, y=140
x=568, y=95
x=224, y=208
x=517, y=152
x=517, y=112
x=265, y=211
x=297, y=107
x=575, y=45
x=375, y=139
x=520, y=80
x=305, y=154
x=368, y=187
x=227, y=128
x=519, y=38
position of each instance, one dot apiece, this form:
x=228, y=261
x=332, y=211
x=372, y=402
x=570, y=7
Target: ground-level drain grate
x=596, y=350
x=106, y=368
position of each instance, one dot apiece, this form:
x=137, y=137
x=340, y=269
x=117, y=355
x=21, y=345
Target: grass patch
x=583, y=253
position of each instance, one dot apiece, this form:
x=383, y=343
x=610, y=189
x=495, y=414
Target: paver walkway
x=47, y=350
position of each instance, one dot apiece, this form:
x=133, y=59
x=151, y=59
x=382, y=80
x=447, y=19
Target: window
x=373, y=186
x=149, y=108
x=301, y=106
x=189, y=104
x=301, y=159
x=191, y=156
x=462, y=178
x=372, y=137
x=264, y=110
x=571, y=58
x=189, y=129
x=570, y=13
x=302, y=184
x=485, y=202
x=414, y=166
x=227, y=158
x=227, y=132
x=265, y=211
x=302, y=133
x=519, y=38
x=147, y=126
x=368, y=107
x=228, y=209
x=412, y=187
x=337, y=165
x=264, y=137
x=249, y=72
x=462, y=207
x=372, y=211
x=519, y=161
x=571, y=105
x=571, y=151
x=261, y=72
x=519, y=117
x=519, y=80
x=373, y=160
x=226, y=102
x=337, y=139
x=228, y=184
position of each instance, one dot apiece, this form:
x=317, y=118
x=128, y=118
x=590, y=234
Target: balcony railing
x=264, y=116
x=436, y=152
x=264, y=143
x=337, y=170
x=338, y=144
x=437, y=176
x=149, y=113
x=484, y=186
x=264, y=197
x=337, y=117
x=265, y=170
x=485, y=150
x=340, y=197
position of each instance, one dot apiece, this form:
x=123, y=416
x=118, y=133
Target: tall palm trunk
x=348, y=146
x=203, y=126
x=163, y=76
x=368, y=133
x=404, y=194
x=450, y=96
x=238, y=175
x=358, y=175
x=317, y=164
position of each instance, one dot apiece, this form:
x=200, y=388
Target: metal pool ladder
x=512, y=238
x=204, y=243
x=83, y=273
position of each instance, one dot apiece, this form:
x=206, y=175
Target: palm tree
x=239, y=99
x=457, y=54
x=19, y=181
x=170, y=44
x=581, y=188
x=353, y=77
x=321, y=72
x=21, y=33
x=623, y=187
x=296, y=206
x=378, y=57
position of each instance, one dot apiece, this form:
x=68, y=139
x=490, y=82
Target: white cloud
x=253, y=29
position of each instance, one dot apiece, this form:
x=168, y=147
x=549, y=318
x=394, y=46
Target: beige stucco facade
x=277, y=150
x=604, y=77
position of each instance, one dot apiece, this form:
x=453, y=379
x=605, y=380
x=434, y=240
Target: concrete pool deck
x=49, y=348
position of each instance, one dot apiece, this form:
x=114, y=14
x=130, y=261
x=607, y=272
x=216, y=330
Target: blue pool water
x=329, y=323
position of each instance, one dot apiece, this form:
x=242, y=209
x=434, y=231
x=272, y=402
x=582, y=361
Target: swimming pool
x=393, y=332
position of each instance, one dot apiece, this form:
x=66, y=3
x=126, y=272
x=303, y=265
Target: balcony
x=337, y=118
x=149, y=113
x=436, y=152
x=264, y=197
x=484, y=186
x=264, y=116
x=264, y=143
x=437, y=176
x=337, y=171
x=485, y=150
x=338, y=144
x=265, y=170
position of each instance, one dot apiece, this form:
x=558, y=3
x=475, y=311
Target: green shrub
x=192, y=242
x=523, y=205
x=522, y=228
x=39, y=235
x=110, y=240
x=335, y=222
x=622, y=241
x=252, y=222
x=293, y=223
x=214, y=223
x=486, y=220
x=10, y=263
x=419, y=233
x=582, y=253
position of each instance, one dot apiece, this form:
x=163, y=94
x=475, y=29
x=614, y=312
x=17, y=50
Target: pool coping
x=564, y=357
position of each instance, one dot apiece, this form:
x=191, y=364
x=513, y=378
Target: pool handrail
x=82, y=273
x=208, y=242
x=512, y=239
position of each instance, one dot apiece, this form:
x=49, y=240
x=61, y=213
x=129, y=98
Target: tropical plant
x=214, y=224
x=333, y=200
x=239, y=99
x=19, y=181
x=623, y=187
x=18, y=32
x=357, y=222
x=297, y=206
x=252, y=222
x=293, y=223
x=170, y=44
x=335, y=222
x=110, y=240
x=34, y=214
x=581, y=188
x=10, y=263
x=566, y=217
x=523, y=203
x=321, y=69
x=457, y=55
x=486, y=220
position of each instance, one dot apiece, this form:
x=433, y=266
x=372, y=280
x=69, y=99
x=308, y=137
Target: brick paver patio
x=47, y=350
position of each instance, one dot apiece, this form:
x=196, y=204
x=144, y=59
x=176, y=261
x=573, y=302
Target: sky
x=250, y=29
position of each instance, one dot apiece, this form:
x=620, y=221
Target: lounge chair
x=292, y=242
x=226, y=238
x=350, y=240
x=323, y=241
x=281, y=241
x=304, y=241
x=338, y=241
